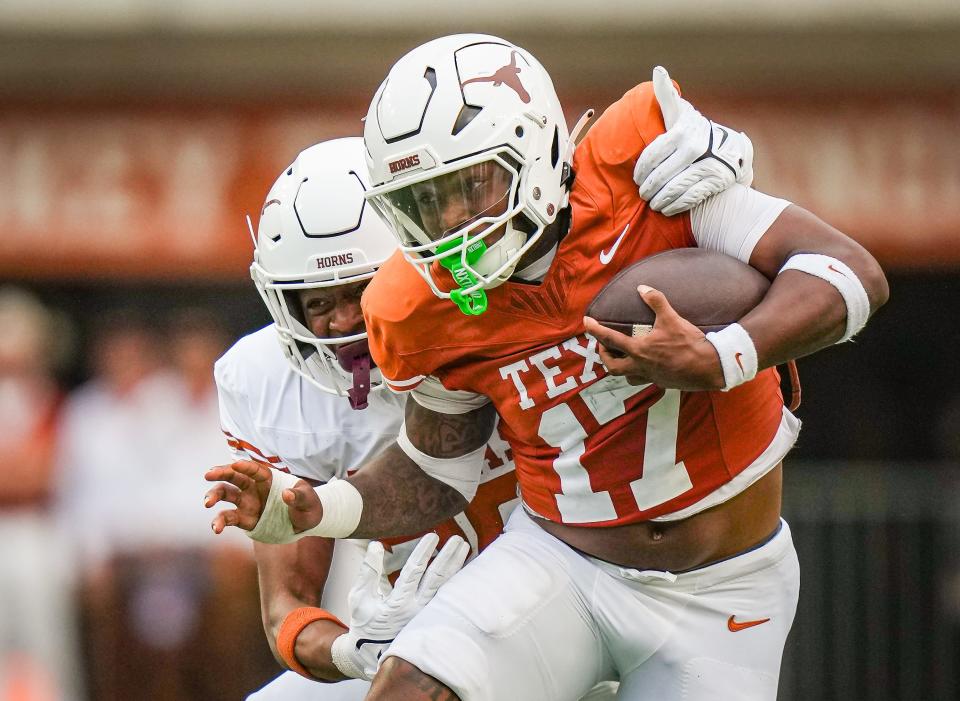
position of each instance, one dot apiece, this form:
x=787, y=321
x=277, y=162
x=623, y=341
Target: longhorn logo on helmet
x=508, y=75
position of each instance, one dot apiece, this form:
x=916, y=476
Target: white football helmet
x=315, y=230
x=465, y=139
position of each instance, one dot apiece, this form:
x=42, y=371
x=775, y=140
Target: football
x=707, y=288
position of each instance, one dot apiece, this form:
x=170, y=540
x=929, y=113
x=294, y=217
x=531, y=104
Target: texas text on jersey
x=590, y=448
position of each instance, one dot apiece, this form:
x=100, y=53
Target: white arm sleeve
x=462, y=473
x=432, y=395
x=733, y=221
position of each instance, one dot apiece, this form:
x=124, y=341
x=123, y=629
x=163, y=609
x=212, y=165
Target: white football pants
x=533, y=619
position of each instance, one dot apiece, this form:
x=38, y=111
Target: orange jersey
x=589, y=448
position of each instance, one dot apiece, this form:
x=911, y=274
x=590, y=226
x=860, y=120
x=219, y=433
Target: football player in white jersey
x=288, y=395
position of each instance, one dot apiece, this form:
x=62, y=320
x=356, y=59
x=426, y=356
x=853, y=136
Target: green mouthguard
x=475, y=303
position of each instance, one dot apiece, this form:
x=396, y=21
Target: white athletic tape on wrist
x=342, y=508
x=462, y=473
x=274, y=525
x=342, y=652
x=838, y=274
x=738, y=355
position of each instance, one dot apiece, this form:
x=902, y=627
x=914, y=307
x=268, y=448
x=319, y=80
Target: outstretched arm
x=398, y=497
x=303, y=637
x=291, y=575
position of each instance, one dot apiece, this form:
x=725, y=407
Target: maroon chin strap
x=355, y=359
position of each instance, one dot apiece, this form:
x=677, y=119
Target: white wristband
x=838, y=274
x=342, y=508
x=738, y=355
x=343, y=655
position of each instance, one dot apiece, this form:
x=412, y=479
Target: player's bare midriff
x=729, y=528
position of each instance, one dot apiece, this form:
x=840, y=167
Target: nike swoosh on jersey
x=736, y=626
x=607, y=256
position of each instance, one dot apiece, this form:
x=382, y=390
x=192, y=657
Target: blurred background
x=135, y=136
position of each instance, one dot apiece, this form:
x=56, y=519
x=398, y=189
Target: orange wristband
x=292, y=626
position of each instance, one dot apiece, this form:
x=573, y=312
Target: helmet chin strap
x=499, y=253
x=483, y=260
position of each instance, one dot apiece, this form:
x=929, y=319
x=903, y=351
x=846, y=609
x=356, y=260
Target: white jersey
x=271, y=414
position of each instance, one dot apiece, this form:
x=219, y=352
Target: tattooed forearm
x=398, y=679
x=434, y=690
x=448, y=435
x=399, y=498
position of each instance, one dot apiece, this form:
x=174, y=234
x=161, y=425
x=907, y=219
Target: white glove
x=694, y=159
x=377, y=616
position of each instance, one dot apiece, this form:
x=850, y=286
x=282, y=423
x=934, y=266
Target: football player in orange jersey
x=650, y=548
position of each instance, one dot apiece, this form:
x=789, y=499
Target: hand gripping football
x=707, y=288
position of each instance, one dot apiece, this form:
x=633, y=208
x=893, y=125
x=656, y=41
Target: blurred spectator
x=36, y=644
x=106, y=439
x=163, y=600
x=193, y=340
